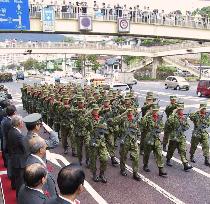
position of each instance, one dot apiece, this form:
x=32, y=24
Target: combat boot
x=136, y=176
x=114, y=161
x=162, y=172
x=192, y=158
x=164, y=148
x=102, y=177
x=168, y=163
x=207, y=161
x=123, y=172
x=187, y=166
x=95, y=177
x=146, y=168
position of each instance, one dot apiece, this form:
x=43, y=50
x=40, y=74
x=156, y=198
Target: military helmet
x=203, y=106
x=149, y=97
x=150, y=93
x=173, y=97
x=80, y=99
x=180, y=105
x=95, y=107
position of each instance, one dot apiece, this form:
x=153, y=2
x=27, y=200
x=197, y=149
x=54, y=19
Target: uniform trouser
x=110, y=141
x=57, y=127
x=50, y=121
x=72, y=138
x=157, y=151
x=166, y=134
x=100, y=152
x=203, y=140
x=18, y=176
x=133, y=148
x=143, y=135
x=64, y=136
x=181, y=146
x=80, y=141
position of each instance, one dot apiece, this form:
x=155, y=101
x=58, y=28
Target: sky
x=167, y=5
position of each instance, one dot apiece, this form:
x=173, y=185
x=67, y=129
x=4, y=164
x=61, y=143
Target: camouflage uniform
x=201, y=122
x=129, y=142
x=177, y=126
x=98, y=148
x=82, y=136
x=153, y=123
x=169, y=110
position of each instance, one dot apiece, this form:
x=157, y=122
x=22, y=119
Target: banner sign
x=123, y=25
x=48, y=19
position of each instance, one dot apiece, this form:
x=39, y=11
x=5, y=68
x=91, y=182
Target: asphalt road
x=179, y=187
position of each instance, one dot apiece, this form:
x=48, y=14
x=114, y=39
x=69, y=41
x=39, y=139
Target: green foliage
x=119, y=40
x=11, y=66
x=203, y=11
x=78, y=64
x=93, y=59
x=158, y=42
x=205, y=60
x=30, y=64
x=69, y=39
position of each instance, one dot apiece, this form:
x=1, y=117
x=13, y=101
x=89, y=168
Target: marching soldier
x=129, y=142
x=98, y=148
x=178, y=124
x=80, y=130
x=144, y=109
x=153, y=123
x=201, y=122
x=169, y=110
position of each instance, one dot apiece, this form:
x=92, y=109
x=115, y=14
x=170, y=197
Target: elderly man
x=33, y=124
x=70, y=182
x=17, y=152
x=38, y=147
x=35, y=177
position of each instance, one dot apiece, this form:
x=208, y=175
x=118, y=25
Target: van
x=203, y=88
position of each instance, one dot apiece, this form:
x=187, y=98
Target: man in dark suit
x=17, y=152
x=5, y=127
x=35, y=176
x=70, y=182
x=37, y=147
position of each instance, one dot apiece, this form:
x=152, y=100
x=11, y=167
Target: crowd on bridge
x=138, y=13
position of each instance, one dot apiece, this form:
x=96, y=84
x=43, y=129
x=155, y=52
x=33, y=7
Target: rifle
x=130, y=131
x=99, y=134
x=181, y=127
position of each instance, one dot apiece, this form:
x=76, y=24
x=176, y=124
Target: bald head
x=34, y=175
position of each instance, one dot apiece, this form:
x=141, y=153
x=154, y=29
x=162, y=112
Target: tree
x=119, y=40
x=205, y=59
x=93, y=59
x=203, y=11
x=69, y=39
x=78, y=64
x=11, y=66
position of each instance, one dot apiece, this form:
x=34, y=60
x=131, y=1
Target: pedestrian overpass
x=93, y=22
x=102, y=49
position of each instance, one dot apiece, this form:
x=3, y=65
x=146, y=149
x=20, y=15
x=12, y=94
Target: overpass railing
x=101, y=46
x=135, y=16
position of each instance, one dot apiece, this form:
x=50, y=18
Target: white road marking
x=156, y=187
x=194, y=168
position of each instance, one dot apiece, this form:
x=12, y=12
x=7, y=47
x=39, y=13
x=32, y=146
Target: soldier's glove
x=138, y=142
x=93, y=144
x=122, y=142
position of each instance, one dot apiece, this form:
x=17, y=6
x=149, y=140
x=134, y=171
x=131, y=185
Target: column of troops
x=99, y=120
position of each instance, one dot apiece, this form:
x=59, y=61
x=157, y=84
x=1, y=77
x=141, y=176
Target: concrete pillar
x=156, y=62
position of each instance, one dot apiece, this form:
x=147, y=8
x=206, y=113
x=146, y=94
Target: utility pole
x=200, y=74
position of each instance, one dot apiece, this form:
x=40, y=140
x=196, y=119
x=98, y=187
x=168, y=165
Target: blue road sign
x=14, y=15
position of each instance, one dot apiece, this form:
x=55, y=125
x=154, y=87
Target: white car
x=118, y=86
x=177, y=83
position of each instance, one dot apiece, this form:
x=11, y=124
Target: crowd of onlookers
x=25, y=159
x=138, y=13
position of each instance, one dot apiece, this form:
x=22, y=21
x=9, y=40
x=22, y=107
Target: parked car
x=177, y=83
x=117, y=86
x=203, y=88
x=20, y=75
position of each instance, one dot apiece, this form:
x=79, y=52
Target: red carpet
x=9, y=194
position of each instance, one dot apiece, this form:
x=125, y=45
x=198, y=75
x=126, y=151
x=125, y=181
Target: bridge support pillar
x=157, y=61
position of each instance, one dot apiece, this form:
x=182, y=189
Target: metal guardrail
x=135, y=16
x=100, y=46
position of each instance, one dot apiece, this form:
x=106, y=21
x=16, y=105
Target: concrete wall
x=136, y=29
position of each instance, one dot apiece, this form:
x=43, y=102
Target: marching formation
x=99, y=120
